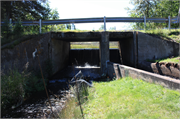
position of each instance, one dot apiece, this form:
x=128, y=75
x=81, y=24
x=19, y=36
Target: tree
x=21, y=9
x=102, y=27
x=112, y=28
x=153, y=8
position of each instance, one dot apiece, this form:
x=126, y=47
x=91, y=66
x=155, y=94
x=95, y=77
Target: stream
x=37, y=106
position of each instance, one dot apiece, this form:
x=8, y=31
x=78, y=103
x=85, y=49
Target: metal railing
x=104, y=19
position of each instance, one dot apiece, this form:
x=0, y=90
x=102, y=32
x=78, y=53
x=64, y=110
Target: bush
x=18, y=29
x=12, y=88
x=16, y=86
x=34, y=84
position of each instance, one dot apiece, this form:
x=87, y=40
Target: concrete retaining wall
x=60, y=54
x=150, y=47
x=117, y=70
x=127, y=51
x=23, y=53
x=57, y=51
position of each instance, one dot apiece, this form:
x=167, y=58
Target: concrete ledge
x=89, y=36
x=124, y=71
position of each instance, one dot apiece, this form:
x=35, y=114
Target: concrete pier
x=104, y=51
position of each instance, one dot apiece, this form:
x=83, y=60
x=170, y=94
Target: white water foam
x=87, y=66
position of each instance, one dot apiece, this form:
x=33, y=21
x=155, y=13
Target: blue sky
x=92, y=8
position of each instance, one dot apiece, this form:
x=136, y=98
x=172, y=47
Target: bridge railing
x=104, y=19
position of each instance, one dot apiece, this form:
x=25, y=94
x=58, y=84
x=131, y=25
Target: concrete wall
x=150, y=47
x=59, y=54
x=56, y=50
x=23, y=53
x=117, y=70
x=127, y=51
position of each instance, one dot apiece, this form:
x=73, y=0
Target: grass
x=70, y=111
x=165, y=33
x=173, y=60
x=76, y=46
x=131, y=98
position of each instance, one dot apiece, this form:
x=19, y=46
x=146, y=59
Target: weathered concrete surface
x=23, y=53
x=60, y=54
x=150, y=47
x=104, y=51
x=124, y=71
x=55, y=50
x=89, y=36
x=169, y=69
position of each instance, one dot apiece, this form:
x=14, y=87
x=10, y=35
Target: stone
x=48, y=111
x=58, y=107
x=30, y=111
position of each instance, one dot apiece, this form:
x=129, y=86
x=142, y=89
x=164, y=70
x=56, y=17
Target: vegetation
x=173, y=34
x=131, y=98
x=26, y=10
x=154, y=8
x=71, y=110
x=16, y=86
x=173, y=60
x=91, y=45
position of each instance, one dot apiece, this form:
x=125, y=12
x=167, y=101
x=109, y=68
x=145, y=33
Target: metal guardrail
x=104, y=19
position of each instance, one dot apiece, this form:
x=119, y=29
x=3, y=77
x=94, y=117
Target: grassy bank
x=173, y=60
x=173, y=34
x=131, y=98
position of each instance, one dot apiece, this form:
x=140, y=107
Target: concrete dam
x=104, y=64
x=134, y=48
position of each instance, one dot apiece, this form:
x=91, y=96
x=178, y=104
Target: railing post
x=104, y=23
x=40, y=23
x=169, y=22
x=144, y=22
x=10, y=22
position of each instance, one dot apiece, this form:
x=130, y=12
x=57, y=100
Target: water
x=34, y=106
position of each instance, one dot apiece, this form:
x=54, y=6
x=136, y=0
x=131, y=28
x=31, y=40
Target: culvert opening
x=83, y=53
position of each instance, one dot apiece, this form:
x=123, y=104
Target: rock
x=48, y=111
x=58, y=107
x=30, y=112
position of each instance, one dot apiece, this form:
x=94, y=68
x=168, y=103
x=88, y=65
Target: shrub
x=12, y=88
x=16, y=86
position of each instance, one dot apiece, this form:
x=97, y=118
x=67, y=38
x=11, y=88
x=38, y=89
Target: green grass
x=165, y=33
x=75, y=46
x=173, y=60
x=131, y=98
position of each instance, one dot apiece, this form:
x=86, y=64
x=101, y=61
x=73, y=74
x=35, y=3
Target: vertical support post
x=120, y=53
x=40, y=23
x=104, y=23
x=135, y=39
x=169, y=22
x=144, y=22
x=104, y=51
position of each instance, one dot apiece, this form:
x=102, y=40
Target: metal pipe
x=40, y=26
x=169, y=22
x=144, y=22
x=104, y=23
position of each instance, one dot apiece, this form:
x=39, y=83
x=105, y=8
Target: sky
x=92, y=8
